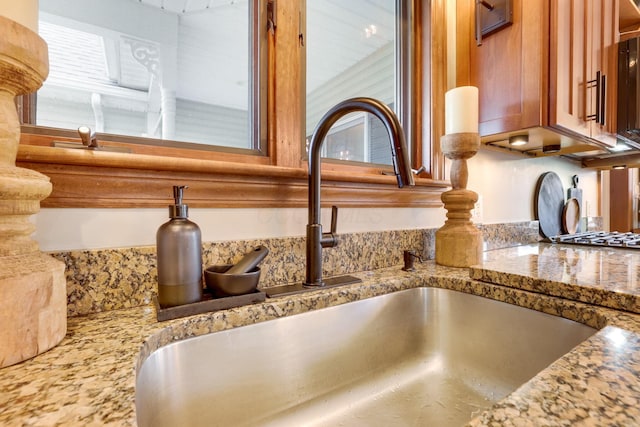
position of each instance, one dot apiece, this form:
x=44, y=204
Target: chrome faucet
x=316, y=239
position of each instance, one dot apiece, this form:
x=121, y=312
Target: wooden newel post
x=33, y=297
x=459, y=242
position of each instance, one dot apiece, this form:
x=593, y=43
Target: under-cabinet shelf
x=629, y=20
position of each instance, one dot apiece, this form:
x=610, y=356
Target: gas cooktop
x=600, y=238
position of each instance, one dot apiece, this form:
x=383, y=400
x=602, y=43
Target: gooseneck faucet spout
x=316, y=239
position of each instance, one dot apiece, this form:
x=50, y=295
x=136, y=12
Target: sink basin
x=423, y=356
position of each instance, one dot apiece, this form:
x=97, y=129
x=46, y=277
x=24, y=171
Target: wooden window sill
x=99, y=179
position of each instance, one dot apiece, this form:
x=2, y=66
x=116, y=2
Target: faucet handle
x=329, y=239
x=334, y=219
x=409, y=257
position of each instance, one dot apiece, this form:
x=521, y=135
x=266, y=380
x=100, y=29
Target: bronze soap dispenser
x=179, y=250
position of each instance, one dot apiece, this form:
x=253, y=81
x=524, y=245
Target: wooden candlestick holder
x=459, y=242
x=33, y=295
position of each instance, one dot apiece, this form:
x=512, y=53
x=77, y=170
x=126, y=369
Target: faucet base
x=296, y=288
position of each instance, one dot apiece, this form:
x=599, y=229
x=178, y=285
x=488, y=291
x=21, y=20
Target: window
x=164, y=70
x=352, y=50
x=283, y=118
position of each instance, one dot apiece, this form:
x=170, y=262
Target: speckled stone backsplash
x=497, y=236
x=110, y=279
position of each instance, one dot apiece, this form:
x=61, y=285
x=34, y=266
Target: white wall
x=505, y=182
x=68, y=229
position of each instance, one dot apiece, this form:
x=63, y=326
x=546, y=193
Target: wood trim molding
x=435, y=60
x=47, y=137
x=288, y=91
x=465, y=24
x=93, y=179
x=627, y=160
x=621, y=200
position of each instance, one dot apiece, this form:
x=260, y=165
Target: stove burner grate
x=600, y=238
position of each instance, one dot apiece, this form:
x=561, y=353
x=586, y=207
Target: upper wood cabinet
x=508, y=68
x=583, y=67
x=554, y=69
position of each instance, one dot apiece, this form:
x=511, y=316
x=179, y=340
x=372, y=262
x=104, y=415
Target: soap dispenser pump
x=179, y=250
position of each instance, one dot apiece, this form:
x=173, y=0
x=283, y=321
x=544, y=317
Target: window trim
x=84, y=178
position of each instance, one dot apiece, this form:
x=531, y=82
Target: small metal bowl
x=224, y=285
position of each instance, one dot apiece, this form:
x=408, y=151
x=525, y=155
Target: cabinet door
x=603, y=64
x=509, y=68
x=569, y=72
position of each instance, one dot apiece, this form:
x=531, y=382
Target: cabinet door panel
x=604, y=60
x=508, y=68
x=569, y=67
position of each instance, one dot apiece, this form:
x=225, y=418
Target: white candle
x=23, y=12
x=461, y=110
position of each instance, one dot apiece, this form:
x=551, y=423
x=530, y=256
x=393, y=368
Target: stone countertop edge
x=89, y=379
x=607, y=277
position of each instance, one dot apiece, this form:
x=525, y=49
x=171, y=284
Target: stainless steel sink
x=419, y=357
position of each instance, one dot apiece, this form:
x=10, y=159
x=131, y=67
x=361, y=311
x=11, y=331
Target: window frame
x=256, y=112
x=232, y=178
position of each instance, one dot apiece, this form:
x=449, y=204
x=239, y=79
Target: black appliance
x=628, y=92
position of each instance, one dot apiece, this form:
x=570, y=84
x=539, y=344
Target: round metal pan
x=549, y=204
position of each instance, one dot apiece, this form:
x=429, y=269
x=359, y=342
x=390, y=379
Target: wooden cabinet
x=583, y=67
x=508, y=68
x=541, y=71
x=604, y=51
x=621, y=206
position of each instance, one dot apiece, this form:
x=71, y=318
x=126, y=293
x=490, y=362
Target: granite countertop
x=609, y=277
x=89, y=379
